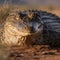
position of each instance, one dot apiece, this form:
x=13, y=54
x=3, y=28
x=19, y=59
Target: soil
x=36, y=52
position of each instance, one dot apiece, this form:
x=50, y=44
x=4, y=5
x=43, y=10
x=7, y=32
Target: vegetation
x=4, y=11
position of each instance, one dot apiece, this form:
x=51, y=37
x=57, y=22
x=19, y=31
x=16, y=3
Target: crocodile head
x=30, y=23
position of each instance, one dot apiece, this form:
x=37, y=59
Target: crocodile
x=31, y=27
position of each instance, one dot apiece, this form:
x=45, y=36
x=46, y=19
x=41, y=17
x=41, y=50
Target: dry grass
x=4, y=11
x=3, y=14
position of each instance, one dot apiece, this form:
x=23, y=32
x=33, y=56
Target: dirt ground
x=36, y=52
